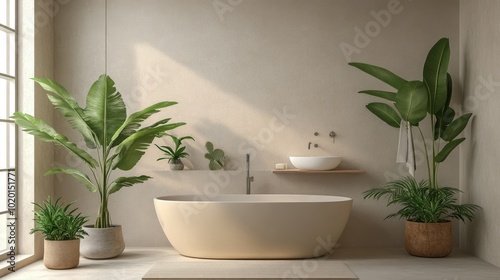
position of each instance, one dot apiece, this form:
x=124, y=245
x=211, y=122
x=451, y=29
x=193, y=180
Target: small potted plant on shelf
x=427, y=206
x=216, y=157
x=174, y=155
x=62, y=230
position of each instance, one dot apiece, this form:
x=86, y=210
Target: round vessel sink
x=316, y=162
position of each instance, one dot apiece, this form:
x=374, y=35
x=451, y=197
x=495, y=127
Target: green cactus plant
x=215, y=156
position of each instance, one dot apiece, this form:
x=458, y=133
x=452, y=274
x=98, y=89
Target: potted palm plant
x=427, y=206
x=62, y=231
x=174, y=155
x=114, y=141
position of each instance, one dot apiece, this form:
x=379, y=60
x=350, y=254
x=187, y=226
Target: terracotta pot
x=176, y=165
x=102, y=243
x=61, y=254
x=430, y=240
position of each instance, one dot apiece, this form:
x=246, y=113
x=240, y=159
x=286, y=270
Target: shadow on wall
x=238, y=71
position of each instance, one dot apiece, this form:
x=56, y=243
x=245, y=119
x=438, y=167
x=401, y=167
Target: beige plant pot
x=62, y=254
x=102, y=243
x=430, y=240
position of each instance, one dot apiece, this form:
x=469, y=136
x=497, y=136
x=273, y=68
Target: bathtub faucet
x=249, y=178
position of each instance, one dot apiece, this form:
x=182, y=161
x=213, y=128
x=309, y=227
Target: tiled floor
x=367, y=264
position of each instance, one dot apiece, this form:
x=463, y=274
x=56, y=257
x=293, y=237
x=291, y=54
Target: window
x=7, y=129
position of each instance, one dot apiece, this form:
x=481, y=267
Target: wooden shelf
x=335, y=171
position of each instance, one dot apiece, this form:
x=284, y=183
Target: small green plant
x=56, y=222
x=215, y=156
x=176, y=153
x=423, y=204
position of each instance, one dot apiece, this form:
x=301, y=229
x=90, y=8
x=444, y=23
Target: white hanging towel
x=406, y=152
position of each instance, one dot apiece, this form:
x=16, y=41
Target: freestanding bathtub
x=262, y=226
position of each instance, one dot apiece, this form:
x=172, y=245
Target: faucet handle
x=332, y=135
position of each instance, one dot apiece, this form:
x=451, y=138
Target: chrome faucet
x=249, y=178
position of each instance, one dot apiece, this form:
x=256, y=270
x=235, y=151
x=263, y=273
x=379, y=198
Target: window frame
x=10, y=212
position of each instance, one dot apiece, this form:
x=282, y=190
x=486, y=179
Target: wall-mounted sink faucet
x=309, y=145
x=332, y=135
x=249, y=178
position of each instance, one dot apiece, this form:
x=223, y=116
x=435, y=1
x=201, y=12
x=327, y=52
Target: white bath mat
x=186, y=268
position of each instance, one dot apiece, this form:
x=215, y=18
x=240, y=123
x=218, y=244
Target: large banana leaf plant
x=114, y=141
x=412, y=102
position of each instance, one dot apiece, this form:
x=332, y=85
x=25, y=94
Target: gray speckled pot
x=176, y=165
x=102, y=243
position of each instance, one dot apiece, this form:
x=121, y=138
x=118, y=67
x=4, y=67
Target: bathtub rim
x=253, y=198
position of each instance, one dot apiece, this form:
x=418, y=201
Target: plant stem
x=103, y=210
x=432, y=184
x=104, y=214
x=426, y=155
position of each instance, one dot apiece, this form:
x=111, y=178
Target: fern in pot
x=427, y=206
x=62, y=230
x=114, y=141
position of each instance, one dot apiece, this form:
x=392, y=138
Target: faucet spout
x=249, y=178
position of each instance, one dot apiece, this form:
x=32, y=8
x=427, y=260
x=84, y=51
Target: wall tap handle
x=332, y=135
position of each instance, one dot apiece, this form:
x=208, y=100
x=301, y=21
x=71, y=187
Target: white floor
x=369, y=264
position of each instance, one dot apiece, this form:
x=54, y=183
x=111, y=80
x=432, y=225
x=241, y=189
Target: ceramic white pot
x=61, y=254
x=102, y=243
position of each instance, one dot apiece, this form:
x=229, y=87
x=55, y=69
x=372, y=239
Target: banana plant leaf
x=391, y=96
x=411, y=102
x=123, y=182
x=69, y=108
x=105, y=111
x=380, y=73
x=386, y=113
x=133, y=122
x=442, y=122
x=447, y=149
x=435, y=75
x=130, y=151
x=77, y=174
x=456, y=127
x=46, y=133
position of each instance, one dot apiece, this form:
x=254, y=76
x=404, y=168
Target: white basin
x=316, y=163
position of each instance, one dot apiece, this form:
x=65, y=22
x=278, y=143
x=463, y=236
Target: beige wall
x=233, y=71
x=480, y=82
x=44, y=67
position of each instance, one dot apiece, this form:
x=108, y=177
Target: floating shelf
x=335, y=171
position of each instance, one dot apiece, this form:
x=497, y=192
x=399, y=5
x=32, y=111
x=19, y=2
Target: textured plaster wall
x=480, y=83
x=256, y=77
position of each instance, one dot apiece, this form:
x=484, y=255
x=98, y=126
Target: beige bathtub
x=262, y=226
